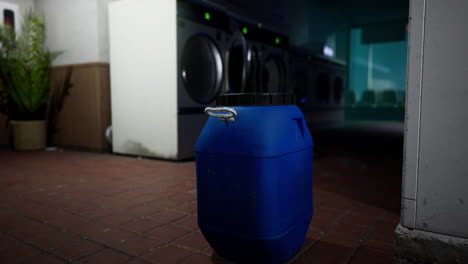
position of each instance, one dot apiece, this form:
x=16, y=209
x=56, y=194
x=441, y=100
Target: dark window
x=9, y=18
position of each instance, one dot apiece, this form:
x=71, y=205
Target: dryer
x=167, y=61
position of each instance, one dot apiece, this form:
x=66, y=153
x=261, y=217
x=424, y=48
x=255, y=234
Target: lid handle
x=226, y=114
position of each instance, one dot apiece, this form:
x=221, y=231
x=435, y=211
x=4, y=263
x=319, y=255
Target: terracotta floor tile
x=8, y=242
x=190, y=222
x=96, y=212
x=360, y=219
x=76, y=248
x=76, y=207
x=187, y=208
x=168, y=233
x=86, y=229
x=375, y=256
x=208, y=251
x=198, y=259
x=194, y=241
x=166, y=203
x=19, y=253
x=314, y=233
x=138, y=261
x=105, y=256
x=44, y=258
x=64, y=220
x=111, y=236
x=327, y=253
x=385, y=235
x=138, y=245
x=184, y=197
x=143, y=210
x=168, y=254
x=141, y=226
x=52, y=240
x=117, y=219
x=167, y=216
x=322, y=224
x=342, y=239
x=24, y=229
x=379, y=244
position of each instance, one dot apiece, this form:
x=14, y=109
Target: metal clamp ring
x=223, y=113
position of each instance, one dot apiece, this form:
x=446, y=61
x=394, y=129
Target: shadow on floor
x=362, y=164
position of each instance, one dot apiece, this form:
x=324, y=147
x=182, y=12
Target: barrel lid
x=255, y=99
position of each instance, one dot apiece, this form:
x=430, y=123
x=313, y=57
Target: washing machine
x=203, y=36
x=167, y=61
x=275, y=71
x=328, y=84
x=267, y=57
x=243, y=60
x=328, y=81
x=300, y=81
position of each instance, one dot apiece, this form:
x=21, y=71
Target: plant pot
x=29, y=135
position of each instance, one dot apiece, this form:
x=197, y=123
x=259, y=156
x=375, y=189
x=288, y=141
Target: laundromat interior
x=104, y=169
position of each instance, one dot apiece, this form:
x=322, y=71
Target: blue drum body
x=254, y=183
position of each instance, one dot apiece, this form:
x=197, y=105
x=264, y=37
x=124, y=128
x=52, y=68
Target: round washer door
x=239, y=62
x=301, y=85
x=274, y=74
x=338, y=90
x=323, y=88
x=201, y=68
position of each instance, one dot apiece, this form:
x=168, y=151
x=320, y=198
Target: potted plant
x=24, y=78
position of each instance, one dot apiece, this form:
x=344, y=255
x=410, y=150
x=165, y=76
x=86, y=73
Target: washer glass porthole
x=273, y=74
x=201, y=69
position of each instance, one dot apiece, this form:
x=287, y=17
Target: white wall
x=78, y=28
x=23, y=4
x=103, y=29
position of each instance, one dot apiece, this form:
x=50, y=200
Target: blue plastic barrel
x=254, y=178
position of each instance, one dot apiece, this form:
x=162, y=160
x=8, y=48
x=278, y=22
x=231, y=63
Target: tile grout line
x=361, y=242
x=105, y=246
x=338, y=220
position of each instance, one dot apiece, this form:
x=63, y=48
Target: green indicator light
x=309, y=58
x=277, y=40
x=207, y=16
x=245, y=30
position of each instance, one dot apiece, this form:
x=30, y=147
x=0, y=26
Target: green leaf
x=25, y=64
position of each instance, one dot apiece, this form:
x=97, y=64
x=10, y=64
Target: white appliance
x=10, y=14
x=167, y=65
